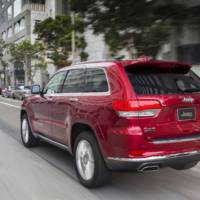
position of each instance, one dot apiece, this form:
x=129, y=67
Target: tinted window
x=162, y=83
x=55, y=84
x=75, y=81
x=96, y=81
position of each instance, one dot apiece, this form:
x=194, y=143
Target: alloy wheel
x=85, y=160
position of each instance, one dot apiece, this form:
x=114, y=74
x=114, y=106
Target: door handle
x=73, y=99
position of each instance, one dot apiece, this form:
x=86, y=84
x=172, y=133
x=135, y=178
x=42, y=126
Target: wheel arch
x=78, y=128
x=23, y=112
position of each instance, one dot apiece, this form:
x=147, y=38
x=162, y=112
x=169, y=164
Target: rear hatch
x=177, y=92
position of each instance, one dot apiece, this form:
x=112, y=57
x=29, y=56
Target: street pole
x=73, y=39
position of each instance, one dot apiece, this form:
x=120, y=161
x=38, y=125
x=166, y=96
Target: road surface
x=46, y=173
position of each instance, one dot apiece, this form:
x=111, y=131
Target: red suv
x=118, y=115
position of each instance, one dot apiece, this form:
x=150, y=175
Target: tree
x=56, y=34
x=31, y=55
x=2, y=49
x=132, y=25
x=3, y=63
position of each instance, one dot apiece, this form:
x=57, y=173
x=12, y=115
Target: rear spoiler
x=164, y=65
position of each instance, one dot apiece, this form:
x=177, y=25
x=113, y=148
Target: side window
x=55, y=83
x=75, y=81
x=96, y=80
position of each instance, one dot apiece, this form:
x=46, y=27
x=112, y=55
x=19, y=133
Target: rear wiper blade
x=190, y=90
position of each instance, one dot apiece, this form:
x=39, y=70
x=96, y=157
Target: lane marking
x=11, y=105
x=9, y=99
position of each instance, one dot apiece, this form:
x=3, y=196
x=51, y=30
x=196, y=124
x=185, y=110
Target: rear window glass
x=96, y=80
x=154, y=83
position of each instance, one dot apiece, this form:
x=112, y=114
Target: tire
x=186, y=166
x=98, y=174
x=27, y=137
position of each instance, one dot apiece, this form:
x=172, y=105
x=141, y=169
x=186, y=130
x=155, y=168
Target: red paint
x=118, y=136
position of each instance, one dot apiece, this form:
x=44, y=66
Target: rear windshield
x=158, y=82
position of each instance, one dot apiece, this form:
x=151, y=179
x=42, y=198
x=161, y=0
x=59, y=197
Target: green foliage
x=20, y=51
x=151, y=40
x=56, y=34
x=31, y=55
x=3, y=63
x=2, y=46
x=135, y=24
x=3, y=49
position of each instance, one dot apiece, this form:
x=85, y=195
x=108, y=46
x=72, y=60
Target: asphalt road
x=46, y=173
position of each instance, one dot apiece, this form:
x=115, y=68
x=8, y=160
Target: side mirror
x=35, y=89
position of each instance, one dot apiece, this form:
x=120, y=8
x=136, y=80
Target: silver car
x=21, y=92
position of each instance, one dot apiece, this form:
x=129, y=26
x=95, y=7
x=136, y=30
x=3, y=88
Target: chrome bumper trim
x=155, y=158
x=177, y=140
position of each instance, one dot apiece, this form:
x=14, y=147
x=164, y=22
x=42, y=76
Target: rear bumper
x=168, y=160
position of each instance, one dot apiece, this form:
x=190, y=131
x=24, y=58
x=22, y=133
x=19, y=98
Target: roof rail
x=92, y=61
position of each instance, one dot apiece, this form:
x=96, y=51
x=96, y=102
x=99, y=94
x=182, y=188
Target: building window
x=5, y=18
x=4, y=35
x=50, y=13
x=37, y=22
x=9, y=12
x=3, y=4
x=38, y=1
x=17, y=7
x=17, y=27
x=20, y=25
x=9, y=32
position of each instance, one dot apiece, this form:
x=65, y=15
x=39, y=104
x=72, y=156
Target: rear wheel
x=28, y=139
x=89, y=163
x=186, y=166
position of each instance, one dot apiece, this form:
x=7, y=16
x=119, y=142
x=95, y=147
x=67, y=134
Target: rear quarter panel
x=97, y=112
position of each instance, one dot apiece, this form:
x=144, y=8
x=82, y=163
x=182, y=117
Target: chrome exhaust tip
x=149, y=168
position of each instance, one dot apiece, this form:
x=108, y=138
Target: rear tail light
x=137, y=108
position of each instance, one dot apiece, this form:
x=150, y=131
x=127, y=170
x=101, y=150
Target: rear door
x=179, y=96
x=69, y=97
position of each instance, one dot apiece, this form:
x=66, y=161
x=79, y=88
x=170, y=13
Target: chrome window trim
x=84, y=93
x=155, y=158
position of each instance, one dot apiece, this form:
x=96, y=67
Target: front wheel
x=89, y=163
x=28, y=139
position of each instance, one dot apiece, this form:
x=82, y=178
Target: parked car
x=8, y=92
x=4, y=92
x=138, y=115
x=21, y=92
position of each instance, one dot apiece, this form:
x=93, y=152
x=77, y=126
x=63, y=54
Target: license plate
x=186, y=114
